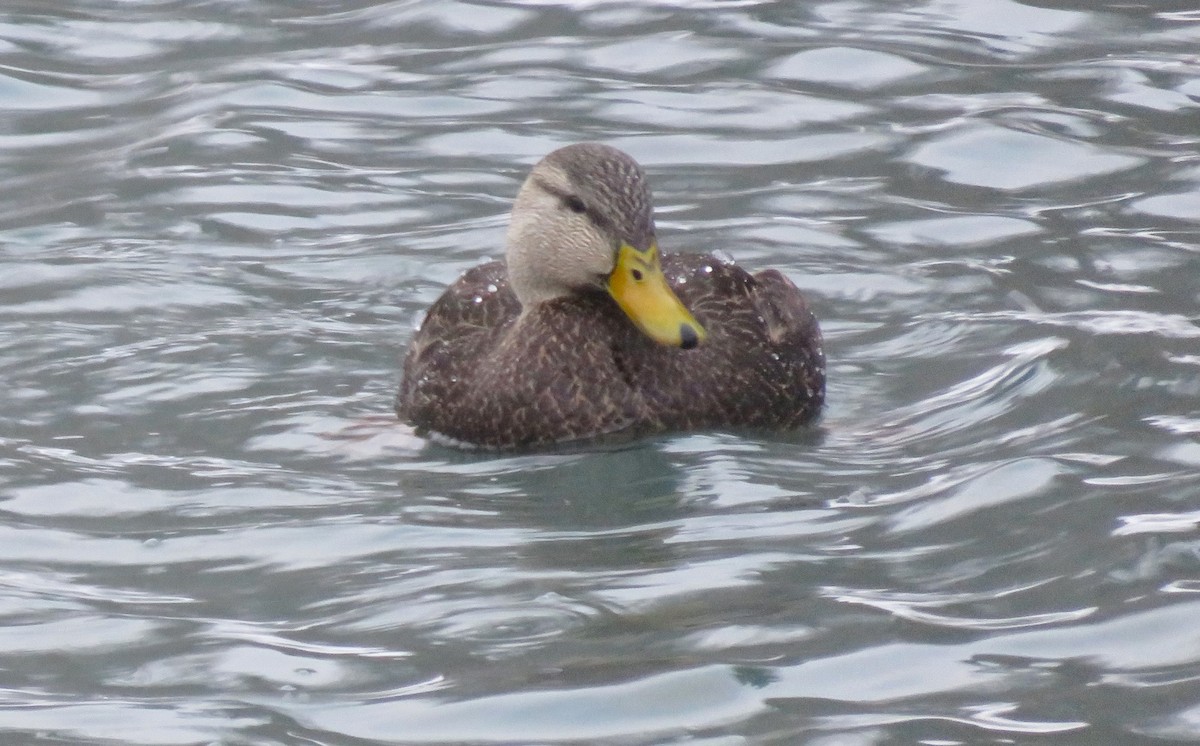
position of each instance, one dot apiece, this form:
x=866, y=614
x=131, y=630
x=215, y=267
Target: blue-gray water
x=220, y=221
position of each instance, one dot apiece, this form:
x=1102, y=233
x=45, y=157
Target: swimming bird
x=586, y=330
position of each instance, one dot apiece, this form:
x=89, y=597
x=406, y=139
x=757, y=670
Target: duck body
x=490, y=370
x=579, y=369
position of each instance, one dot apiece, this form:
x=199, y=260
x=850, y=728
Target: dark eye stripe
x=574, y=204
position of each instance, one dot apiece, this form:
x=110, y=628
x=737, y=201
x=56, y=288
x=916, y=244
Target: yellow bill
x=638, y=285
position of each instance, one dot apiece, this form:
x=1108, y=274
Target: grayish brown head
x=583, y=220
x=576, y=208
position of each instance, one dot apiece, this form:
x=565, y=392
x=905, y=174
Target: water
x=220, y=220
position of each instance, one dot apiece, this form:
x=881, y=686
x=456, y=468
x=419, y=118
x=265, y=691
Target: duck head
x=583, y=220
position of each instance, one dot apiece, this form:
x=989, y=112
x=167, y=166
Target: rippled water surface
x=220, y=221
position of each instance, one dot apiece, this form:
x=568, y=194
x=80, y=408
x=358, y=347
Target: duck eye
x=637, y=274
x=574, y=204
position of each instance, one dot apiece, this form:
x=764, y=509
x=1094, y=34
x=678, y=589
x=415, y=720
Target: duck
x=585, y=330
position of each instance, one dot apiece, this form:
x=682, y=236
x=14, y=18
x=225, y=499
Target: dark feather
x=576, y=367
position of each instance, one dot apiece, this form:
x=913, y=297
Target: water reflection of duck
x=588, y=332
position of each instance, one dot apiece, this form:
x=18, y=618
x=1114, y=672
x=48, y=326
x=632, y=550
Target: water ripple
x=220, y=221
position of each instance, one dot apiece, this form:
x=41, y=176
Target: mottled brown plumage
x=487, y=369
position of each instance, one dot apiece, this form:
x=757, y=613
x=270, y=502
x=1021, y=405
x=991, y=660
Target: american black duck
x=585, y=330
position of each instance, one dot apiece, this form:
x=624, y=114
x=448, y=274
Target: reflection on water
x=221, y=220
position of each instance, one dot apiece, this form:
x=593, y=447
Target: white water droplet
x=724, y=257
x=708, y=269
x=491, y=288
x=477, y=299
